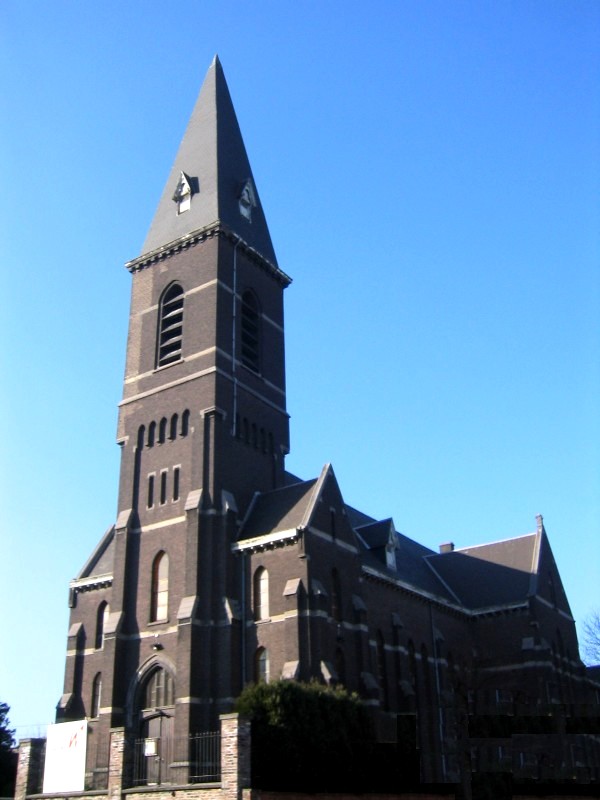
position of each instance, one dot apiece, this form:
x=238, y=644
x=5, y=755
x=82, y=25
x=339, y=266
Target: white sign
x=64, y=768
x=150, y=747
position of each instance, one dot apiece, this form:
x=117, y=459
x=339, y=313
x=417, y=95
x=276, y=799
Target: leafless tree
x=591, y=637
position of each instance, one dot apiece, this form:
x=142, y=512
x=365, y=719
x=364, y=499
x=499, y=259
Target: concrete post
x=30, y=768
x=235, y=756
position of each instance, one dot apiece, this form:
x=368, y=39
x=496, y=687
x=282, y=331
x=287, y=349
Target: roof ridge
x=497, y=541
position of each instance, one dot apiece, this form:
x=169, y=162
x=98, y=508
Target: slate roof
x=279, y=510
x=213, y=157
x=489, y=575
x=412, y=568
x=102, y=559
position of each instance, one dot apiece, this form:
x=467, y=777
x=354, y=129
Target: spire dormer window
x=247, y=200
x=183, y=194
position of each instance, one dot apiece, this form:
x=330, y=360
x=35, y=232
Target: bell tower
x=205, y=353
x=202, y=427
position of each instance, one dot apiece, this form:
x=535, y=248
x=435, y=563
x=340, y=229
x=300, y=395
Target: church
x=221, y=568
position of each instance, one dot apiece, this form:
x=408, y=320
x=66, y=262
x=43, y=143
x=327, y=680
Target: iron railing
x=153, y=758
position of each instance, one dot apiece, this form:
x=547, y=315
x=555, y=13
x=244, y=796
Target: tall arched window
x=159, y=689
x=340, y=665
x=262, y=665
x=250, y=331
x=96, y=695
x=382, y=671
x=101, y=620
x=261, y=593
x=170, y=326
x=159, y=601
x=336, y=596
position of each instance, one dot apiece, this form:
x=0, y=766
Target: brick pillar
x=235, y=756
x=30, y=767
x=116, y=763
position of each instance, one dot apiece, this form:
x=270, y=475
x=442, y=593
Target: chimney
x=447, y=547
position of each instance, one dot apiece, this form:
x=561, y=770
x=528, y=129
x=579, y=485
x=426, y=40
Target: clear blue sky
x=430, y=172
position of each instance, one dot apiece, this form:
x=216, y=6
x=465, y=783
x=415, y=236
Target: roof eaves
x=187, y=240
x=394, y=581
x=471, y=612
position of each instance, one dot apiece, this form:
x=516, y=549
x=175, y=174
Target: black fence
x=154, y=764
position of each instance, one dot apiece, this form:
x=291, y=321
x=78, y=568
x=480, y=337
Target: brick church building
x=222, y=568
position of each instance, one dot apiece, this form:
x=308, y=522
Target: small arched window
x=159, y=601
x=162, y=431
x=101, y=620
x=261, y=665
x=261, y=594
x=250, y=331
x=96, y=695
x=151, y=434
x=170, y=326
x=185, y=423
x=173, y=427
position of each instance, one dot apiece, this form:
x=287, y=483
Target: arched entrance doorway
x=155, y=710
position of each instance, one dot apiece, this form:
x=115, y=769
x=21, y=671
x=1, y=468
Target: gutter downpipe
x=233, y=433
x=234, y=337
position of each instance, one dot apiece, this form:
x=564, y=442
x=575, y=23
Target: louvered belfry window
x=250, y=331
x=170, y=329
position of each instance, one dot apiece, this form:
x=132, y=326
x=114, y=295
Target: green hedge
x=307, y=737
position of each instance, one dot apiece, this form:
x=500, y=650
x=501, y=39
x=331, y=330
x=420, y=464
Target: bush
x=307, y=737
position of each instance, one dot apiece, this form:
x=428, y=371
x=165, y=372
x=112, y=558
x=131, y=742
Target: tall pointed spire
x=211, y=180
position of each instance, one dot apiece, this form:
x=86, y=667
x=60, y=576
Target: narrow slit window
x=150, y=502
x=163, y=487
x=170, y=326
x=175, y=484
x=96, y=695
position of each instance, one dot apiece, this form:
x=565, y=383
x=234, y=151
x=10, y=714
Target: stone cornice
x=93, y=582
x=267, y=541
x=200, y=235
